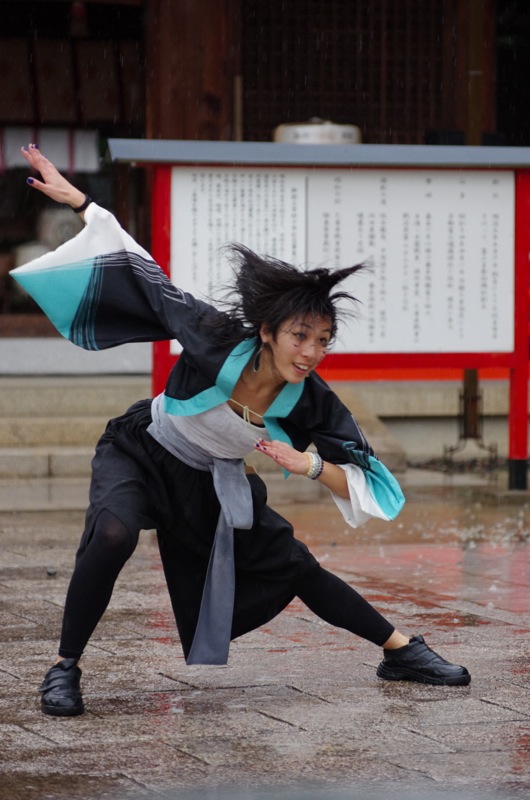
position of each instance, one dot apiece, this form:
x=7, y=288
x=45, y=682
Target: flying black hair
x=267, y=290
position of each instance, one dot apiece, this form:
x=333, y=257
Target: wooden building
x=404, y=71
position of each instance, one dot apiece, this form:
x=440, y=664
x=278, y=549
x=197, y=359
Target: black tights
x=334, y=601
x=100, y=560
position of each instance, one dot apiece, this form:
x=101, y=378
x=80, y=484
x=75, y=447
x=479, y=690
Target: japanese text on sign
x=440, y=243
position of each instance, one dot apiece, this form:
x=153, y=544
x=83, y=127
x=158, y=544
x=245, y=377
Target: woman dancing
x=246, y=379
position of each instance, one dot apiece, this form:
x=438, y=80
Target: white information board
x=440, y=243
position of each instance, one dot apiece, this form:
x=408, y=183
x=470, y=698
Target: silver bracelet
x=316, y=468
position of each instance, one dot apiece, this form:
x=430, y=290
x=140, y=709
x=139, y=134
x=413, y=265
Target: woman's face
x=299, y=346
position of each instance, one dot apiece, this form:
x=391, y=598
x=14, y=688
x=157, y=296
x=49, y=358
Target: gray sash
x=211, y=641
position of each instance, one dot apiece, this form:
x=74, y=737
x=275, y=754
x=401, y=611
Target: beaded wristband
x=85, y=204
x=316, y=468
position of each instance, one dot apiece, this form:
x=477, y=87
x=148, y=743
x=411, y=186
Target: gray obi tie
x=211, y=642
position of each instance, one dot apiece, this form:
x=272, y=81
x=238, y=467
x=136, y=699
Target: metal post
x=471, y=406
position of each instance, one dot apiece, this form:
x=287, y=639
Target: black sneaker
x=417, y=662
x=61, y=691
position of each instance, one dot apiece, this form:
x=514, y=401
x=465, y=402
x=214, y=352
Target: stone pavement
x=299, y=710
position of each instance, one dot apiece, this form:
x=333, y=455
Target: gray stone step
x=26, y=431
x=45, y=462
x=49, y=425
x=74, y=396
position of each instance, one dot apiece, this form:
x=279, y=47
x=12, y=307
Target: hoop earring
x=256, y=361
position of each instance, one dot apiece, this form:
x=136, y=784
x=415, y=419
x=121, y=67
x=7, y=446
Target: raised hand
x=285, y=456
x=53, y=184
x=331, y=475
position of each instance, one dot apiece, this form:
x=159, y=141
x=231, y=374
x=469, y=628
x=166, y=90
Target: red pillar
x=518, y=419
x=161, y=252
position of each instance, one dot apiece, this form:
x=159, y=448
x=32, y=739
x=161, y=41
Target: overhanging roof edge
x=165, y=151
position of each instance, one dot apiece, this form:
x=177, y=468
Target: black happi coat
x=101, y=290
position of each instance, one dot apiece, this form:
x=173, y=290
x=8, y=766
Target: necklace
x=246, y=411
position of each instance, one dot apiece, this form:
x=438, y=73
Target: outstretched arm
x=53, y=184
x=101, y=288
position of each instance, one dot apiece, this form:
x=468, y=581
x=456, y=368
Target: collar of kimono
x=226, y=380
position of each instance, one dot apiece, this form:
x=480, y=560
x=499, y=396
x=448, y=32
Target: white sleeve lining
x=361, y=506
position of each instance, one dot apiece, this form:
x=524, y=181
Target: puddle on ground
x=429, y=515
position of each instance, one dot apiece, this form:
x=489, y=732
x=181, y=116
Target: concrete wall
x=423, y=415
x=56, y=356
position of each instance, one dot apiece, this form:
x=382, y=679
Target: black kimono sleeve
x=101, y=289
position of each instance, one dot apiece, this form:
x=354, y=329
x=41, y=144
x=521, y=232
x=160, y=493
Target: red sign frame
x=344, y=366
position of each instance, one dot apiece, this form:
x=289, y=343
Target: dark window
x=387, y=66
x=513, y=88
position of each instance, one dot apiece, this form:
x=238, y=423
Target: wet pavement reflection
x=299, y=707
